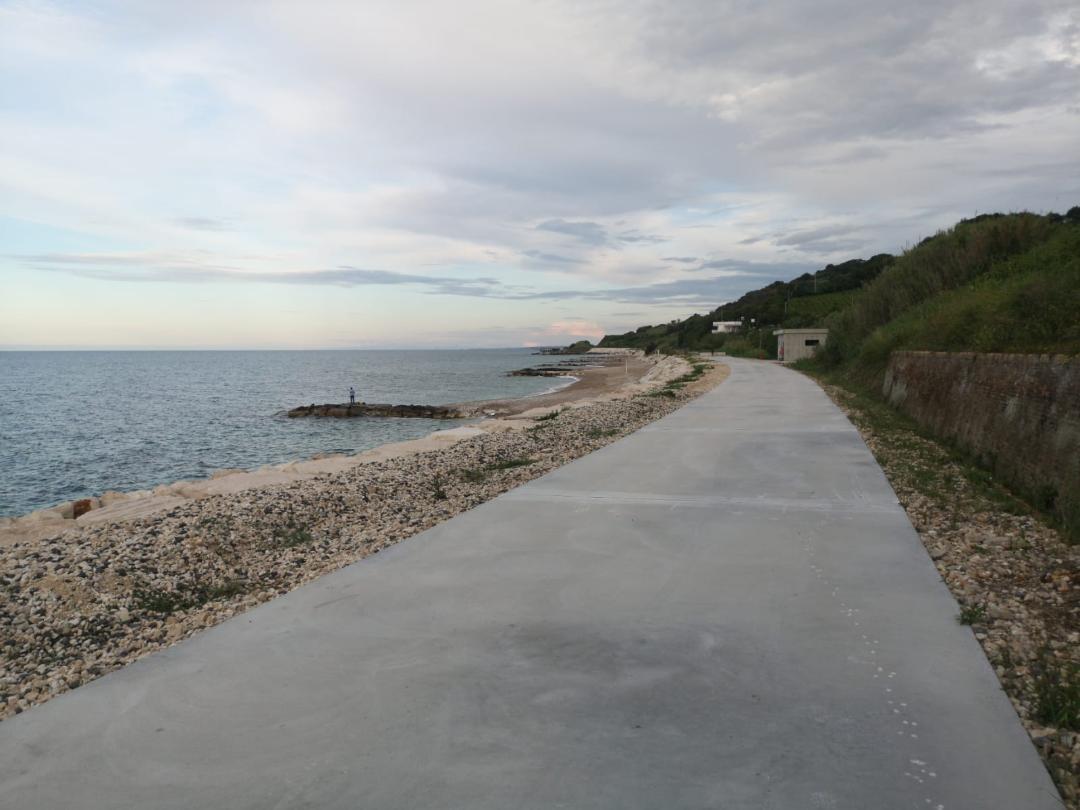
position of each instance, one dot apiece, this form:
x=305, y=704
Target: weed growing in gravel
x=226, y=590
x=597, y=433
x=510, y=464
x=679, y=382
x=438, y=491
x=971, y=614
x=479, y=475
x=158, y=600
x=1057, y=694
x=547, y=417
x=983, y=483
x=292, y=535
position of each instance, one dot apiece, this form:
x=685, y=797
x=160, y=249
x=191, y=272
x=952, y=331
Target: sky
x=434, y=174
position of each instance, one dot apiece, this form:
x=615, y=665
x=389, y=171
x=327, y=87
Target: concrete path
x=727, y=609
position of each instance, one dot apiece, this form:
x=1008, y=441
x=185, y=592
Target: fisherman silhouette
x=352, y=396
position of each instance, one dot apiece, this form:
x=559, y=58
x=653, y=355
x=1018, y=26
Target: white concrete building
x=795, y=344
x=726, y=327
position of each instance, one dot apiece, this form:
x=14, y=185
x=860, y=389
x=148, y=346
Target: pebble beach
x=80, y=603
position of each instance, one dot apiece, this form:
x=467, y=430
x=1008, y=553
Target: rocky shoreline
x=77, y=605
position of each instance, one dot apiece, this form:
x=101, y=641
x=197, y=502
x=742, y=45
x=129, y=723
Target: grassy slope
x=815, y=308
x=1004, y=283
x=1028, y=303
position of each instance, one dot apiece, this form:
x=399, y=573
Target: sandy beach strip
x=85, y=601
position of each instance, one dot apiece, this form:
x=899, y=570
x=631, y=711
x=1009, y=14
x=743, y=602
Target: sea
x=76, y=424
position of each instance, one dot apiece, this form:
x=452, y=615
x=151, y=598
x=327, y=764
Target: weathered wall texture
x=1018, y=413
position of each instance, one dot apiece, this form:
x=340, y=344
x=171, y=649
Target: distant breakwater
x=346, y=411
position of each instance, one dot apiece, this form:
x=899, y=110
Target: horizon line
x=37, y=348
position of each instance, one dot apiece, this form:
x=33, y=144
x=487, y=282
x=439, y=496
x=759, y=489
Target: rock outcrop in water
x=378, y=409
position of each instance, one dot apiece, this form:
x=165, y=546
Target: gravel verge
x=1017, y=580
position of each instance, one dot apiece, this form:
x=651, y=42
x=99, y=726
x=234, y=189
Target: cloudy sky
x=333, y=174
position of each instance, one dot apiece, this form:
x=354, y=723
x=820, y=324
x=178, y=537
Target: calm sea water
x=75, y=424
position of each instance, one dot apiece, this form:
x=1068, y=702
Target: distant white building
x=795, y=344
x=726, y=327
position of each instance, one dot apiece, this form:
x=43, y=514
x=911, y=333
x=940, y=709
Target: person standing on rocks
x=352, y=396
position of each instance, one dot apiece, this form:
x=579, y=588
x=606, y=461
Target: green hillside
x=803, y=301
x=998, y=283
x=811, y=310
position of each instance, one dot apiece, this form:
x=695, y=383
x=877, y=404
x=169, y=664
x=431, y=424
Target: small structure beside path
x=796, y=344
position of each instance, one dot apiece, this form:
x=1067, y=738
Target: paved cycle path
x=726, y=609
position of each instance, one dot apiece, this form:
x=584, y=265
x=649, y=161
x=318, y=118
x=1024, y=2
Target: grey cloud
x=809, y=235
x=691, y=292
x=858, y=154
x=591, y=138
x=633, y=237
x=738, y=277
x=830, y=246
x=847, y=77
x=822, y=240
x=681, y=259
x=696, y=292
x=549, y=258
x=844, y=71
x=772, y=270
x=145, y=269
x=136, y=269
x=591, y=233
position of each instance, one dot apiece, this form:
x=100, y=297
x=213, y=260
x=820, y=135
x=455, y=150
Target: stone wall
x=1019, y=414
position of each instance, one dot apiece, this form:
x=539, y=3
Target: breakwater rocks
x=376, y=409
x=566, y=368
x=78, y=605
x=540, y=371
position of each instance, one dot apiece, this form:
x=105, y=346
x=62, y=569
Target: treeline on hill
x=803, y=301
x=993, y=283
